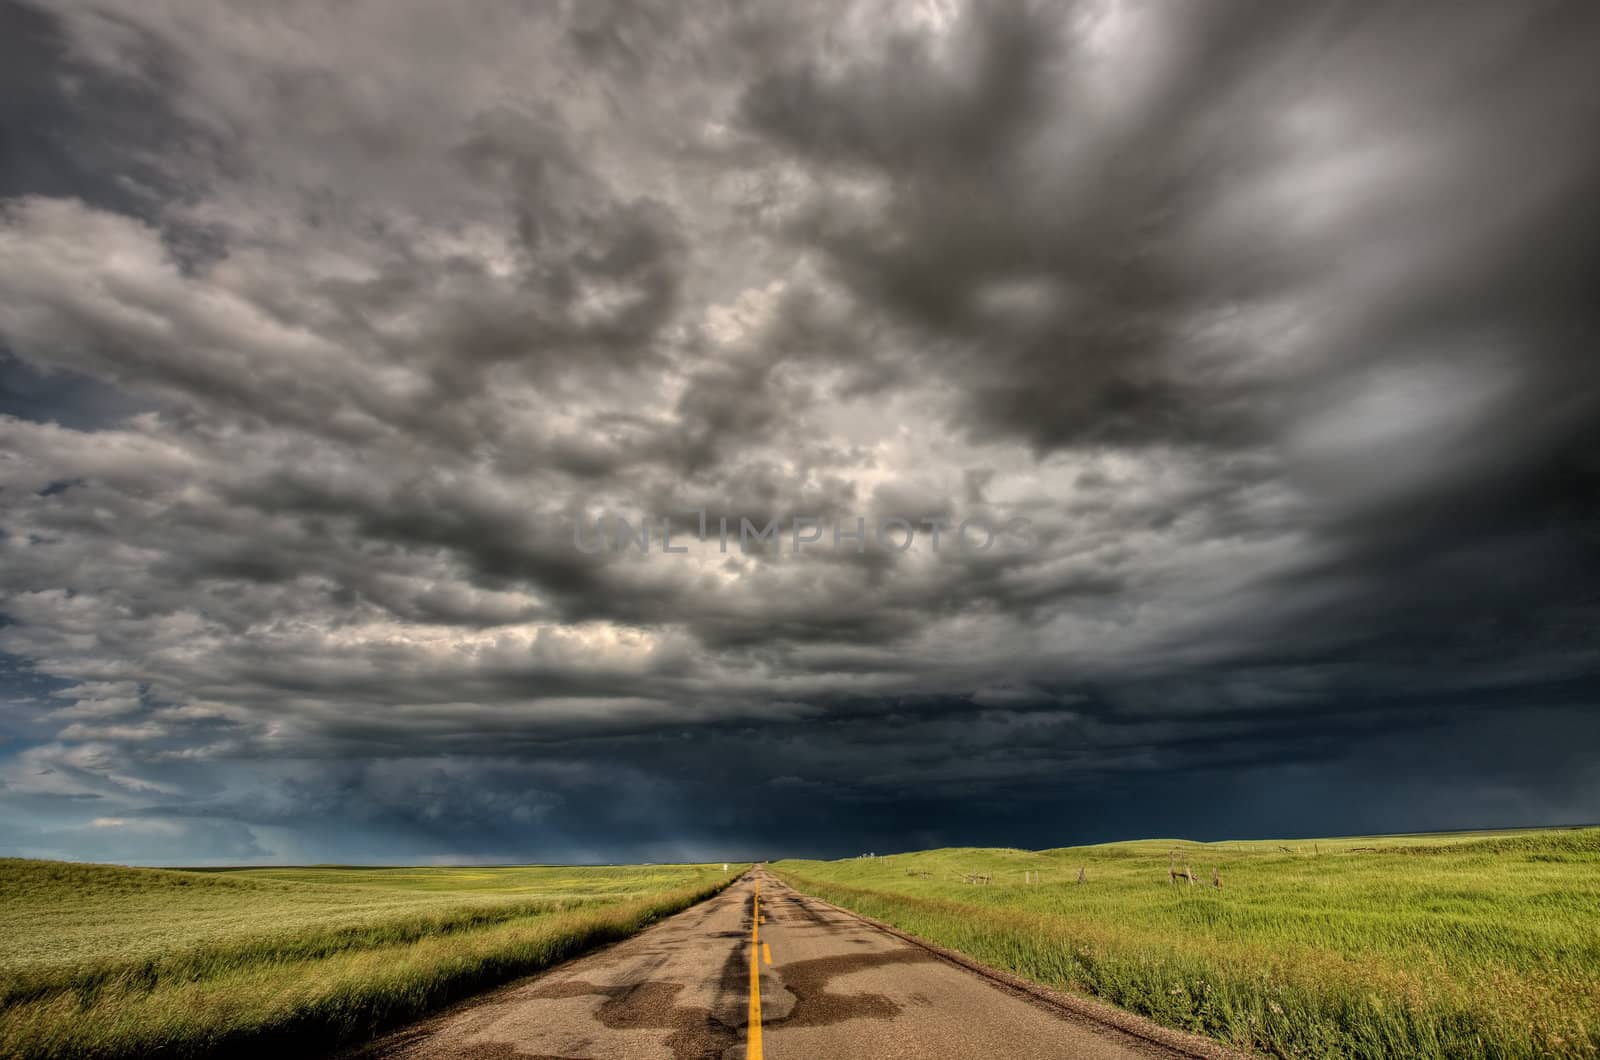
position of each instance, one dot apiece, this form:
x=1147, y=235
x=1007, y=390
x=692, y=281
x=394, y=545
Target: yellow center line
x=753, y=1024
x=766, y=953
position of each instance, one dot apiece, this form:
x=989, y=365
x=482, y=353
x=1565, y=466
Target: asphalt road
x=763, y=972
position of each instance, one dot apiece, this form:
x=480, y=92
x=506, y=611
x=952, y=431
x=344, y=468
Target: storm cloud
x=322, y=328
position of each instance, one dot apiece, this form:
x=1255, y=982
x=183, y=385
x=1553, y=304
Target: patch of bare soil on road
x=815, y=1005
x=695, y=1033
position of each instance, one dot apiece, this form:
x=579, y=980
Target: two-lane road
x=761, y=971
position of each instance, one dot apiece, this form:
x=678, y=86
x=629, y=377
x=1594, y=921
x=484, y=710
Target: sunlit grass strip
x=55, y=916
x=88, y=978
x=271, y=998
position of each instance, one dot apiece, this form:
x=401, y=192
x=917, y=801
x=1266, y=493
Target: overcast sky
x=323, y=326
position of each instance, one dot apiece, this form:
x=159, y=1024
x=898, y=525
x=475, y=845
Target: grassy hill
x=1457, y=945
x=101, y=960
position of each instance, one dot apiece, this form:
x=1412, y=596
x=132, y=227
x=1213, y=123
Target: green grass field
x=102, y=961
x=1449, y=946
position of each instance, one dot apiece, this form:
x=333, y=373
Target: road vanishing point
x=761, y=972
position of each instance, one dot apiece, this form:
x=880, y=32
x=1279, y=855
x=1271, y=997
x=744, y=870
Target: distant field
x=1462, y=945
x=100, y=960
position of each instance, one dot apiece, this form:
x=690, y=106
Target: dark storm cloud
x=323, y=330
x=49, y=149
x=1091, y=247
